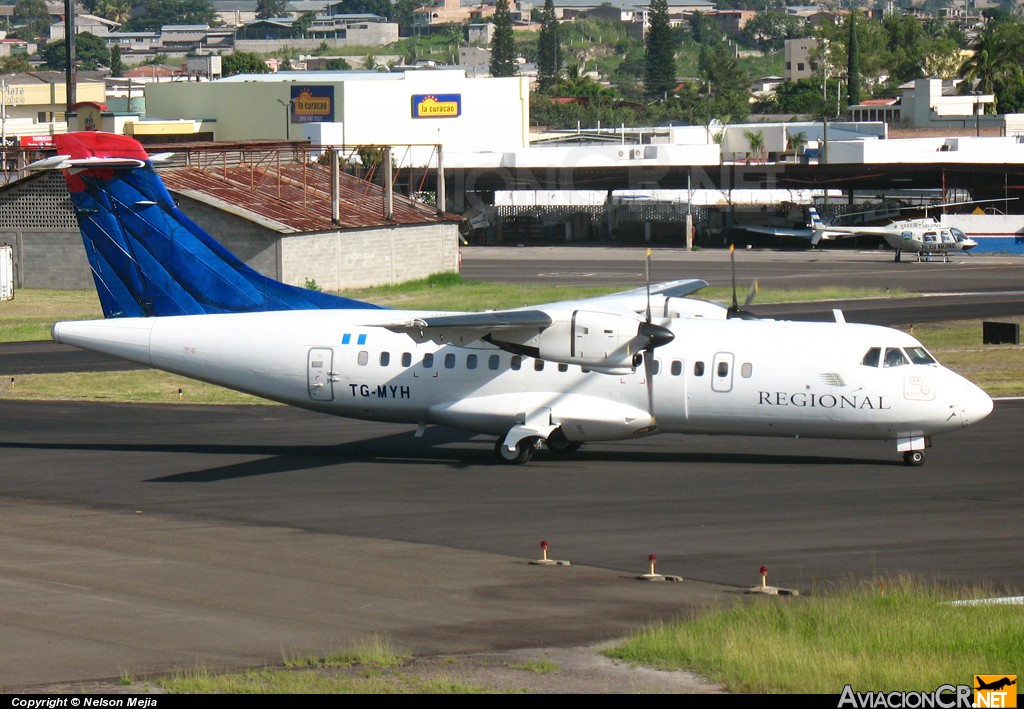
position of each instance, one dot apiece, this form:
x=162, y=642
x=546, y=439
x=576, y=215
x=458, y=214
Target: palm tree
x=995, y=62
x=756, y=140
x=797, y=141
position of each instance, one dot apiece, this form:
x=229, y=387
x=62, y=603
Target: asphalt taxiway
x=146, y=539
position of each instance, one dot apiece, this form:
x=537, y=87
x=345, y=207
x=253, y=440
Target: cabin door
x=320, y=374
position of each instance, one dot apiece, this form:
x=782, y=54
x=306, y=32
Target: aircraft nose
x=969, y=244
x=975, y=404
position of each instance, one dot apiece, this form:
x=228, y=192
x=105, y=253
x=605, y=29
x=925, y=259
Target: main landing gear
x=556, y=442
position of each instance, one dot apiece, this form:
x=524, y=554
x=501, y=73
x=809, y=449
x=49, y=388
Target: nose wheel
x=914, y=458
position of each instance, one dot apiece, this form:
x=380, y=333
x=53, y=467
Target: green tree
x=853, y=63
x=382, y=8
x=243, y=63
x=755, y=138
x=703, y=29
x=660, y=57
x=90, y=53
x=503, y=45
x=724, y=93
x=116, y=65
x=995, y=65
x=17, y=64
x=549, y=48
x=115, y=10
x=172, y=12
x=302, y=24
x=265, y=9
x=33, y=18
x=768, y=31
x=402, y=14
x=798, y=98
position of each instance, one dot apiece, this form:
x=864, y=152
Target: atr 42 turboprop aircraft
x=927, y=237
x=552, y=376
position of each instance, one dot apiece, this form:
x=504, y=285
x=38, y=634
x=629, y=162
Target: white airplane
x=552, y=376
x=926, y=237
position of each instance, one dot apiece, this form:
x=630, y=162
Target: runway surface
x=143, y=539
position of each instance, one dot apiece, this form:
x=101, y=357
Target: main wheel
x=558, y=444
x=914, y=458
x=522, y=454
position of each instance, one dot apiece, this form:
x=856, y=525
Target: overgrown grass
x=373, y=658
x=31, y=313
x=887, y=634
x=883, y=635
x=143, y=386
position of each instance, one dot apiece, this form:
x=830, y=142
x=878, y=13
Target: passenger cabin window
x=363, y=357
x=406, y=359
x=493, y=362
x=656, y=366
x=676, y=368
x=563, y=367
x=385, y=359
x=449, y=361
x=872, y=357
x=746, y=369
x=698, y=369
x=517, y=363
x=894, y=357
x=428, y=360
x=538, y=365
x=723, y=369
x=471, y=361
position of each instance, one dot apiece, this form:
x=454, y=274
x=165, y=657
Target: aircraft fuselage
x=760, y=377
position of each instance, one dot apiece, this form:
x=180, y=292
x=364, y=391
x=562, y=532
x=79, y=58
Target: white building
x=420, y=107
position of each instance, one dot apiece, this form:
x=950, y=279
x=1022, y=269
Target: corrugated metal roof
x=295, y=197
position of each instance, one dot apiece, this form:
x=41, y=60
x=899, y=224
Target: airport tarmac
x=147, y=539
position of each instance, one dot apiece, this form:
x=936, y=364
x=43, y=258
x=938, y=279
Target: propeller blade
x=751, y=294
x=732, y=262
x=647, y=279
x=735, y=311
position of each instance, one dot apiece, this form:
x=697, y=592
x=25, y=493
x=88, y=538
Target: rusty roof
x=294, y=196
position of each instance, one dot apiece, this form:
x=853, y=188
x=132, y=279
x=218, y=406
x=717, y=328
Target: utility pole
x=69, y=47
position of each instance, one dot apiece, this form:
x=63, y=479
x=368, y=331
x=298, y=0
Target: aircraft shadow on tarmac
x=439, y=447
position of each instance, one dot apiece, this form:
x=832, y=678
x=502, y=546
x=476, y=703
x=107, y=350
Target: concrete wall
x=335, y=260
x=358, y=259
x=37, y=220
x=925, y=150
x=49, y=259
x=371, y=34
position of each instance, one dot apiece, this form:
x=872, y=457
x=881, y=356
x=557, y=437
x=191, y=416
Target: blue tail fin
x=147, y=257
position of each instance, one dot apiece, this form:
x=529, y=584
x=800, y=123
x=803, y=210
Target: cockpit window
x=919, y=355
x=894, y=357
x=871, y=358
x=959, y=235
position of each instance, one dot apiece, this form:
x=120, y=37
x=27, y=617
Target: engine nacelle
x=604, y=342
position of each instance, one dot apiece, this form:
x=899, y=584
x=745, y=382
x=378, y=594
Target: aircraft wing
x=803, y=233
x=623, y=311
